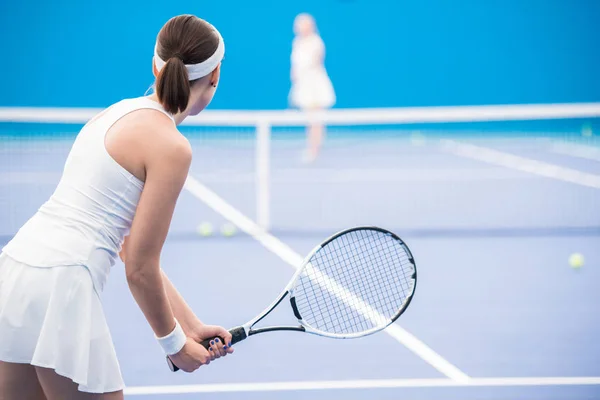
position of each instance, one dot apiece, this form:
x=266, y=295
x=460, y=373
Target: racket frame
x=289, y=290
x=242, y=332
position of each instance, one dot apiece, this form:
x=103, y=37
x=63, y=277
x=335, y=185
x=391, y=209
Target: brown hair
x=185, y=39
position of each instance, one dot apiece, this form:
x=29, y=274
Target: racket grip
x=237, y=335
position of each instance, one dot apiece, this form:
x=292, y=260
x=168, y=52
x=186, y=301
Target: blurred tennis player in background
x=311, y=87
x=117, y=195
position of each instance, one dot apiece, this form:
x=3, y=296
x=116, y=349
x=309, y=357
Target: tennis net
x=480, y=170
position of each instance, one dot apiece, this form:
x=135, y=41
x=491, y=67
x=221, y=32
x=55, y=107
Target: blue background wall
x=380, y=52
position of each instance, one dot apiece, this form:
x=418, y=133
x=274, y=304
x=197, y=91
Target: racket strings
x=358, y=309
x=357, y=282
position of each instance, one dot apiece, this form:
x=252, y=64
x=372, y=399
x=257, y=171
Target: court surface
x=491, y=220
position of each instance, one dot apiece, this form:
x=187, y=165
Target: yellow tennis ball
x=587, y=130
x=228, y=230
x=205, y=229
x=417, y=138
x=576, y=260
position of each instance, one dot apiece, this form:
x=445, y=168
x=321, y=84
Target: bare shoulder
x=174, y=148
x=148, y=138
x=160, y=137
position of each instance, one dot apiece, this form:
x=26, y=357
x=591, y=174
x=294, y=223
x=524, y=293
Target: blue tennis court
x=491, y=217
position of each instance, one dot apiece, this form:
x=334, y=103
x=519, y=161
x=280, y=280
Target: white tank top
x=307, y=55
x=86, y=219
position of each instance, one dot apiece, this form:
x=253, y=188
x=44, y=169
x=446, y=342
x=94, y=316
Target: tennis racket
x=355, y=283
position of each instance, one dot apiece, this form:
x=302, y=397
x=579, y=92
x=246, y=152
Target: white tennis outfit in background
x=311, y=87
x=54, y=268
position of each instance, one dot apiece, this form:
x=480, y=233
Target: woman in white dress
x=311, y=87
x=117, y=194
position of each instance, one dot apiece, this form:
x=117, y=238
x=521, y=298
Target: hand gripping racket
x=353, y=284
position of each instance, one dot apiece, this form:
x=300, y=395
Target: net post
x=263, y=149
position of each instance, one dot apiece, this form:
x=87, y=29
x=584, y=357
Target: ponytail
x=173, y=86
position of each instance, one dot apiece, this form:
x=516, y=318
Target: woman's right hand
x=191, y=357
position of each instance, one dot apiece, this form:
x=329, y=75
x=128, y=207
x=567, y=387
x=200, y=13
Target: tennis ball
x=586, y=130
x=576, y=260
x=228, y=230
x=205, y=229
x=417, y=138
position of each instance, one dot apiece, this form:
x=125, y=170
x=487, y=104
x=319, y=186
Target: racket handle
x=237, y=335
x=206, y=343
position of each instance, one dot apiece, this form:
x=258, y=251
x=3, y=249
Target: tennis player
x=117, y=194
x=311, y=87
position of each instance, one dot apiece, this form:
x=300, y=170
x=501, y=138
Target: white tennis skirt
x=53, y=318
x=312, y=90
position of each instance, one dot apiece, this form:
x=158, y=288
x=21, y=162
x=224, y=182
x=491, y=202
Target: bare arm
x=191, y=325
x=154, y=149
x=167, y=164
x=181, y=310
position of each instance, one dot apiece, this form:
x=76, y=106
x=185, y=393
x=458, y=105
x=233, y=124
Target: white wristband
x=174, y=341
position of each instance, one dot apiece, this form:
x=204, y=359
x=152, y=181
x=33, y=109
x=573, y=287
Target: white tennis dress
x=53, y=269
x=311, y=87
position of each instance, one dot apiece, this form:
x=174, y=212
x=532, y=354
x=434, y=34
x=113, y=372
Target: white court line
x=295, y=260
x=359, y=384
x=521, y=163
x=576, y=150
